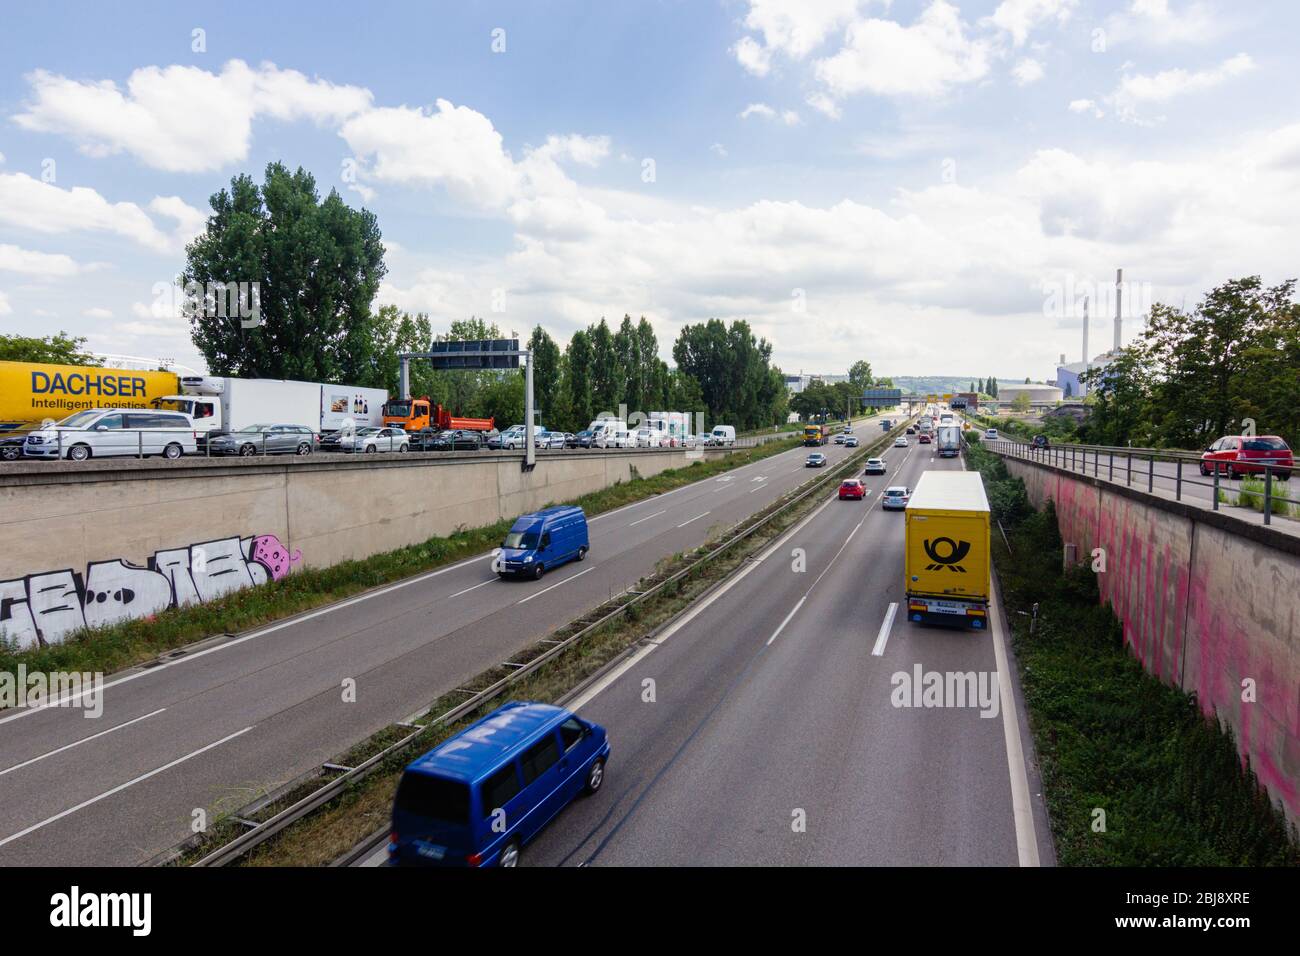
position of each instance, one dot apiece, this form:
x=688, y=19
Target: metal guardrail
x=144, y=443
x=262, y=832
x=1182, y=472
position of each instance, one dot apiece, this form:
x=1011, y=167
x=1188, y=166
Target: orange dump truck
x=416, y=414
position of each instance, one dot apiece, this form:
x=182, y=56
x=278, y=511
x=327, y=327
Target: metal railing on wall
x=1187, y=475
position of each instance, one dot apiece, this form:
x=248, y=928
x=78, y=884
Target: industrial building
x=1038, y=393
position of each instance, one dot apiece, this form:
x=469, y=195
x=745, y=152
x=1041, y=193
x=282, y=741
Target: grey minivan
x=114, y=432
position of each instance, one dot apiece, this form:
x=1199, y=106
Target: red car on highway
x=924, y=439
x=1237, y=455
x=852, y=488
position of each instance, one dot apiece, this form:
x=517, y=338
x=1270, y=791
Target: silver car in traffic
x=370, y=440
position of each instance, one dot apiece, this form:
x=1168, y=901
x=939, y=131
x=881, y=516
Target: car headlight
x=528, y=559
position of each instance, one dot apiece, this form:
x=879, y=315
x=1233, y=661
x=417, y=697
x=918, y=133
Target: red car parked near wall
x=1237, y=455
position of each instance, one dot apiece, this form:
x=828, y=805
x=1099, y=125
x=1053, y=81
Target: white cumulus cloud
x=181, y=118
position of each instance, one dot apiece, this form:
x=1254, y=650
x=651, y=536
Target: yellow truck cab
x=947, y=552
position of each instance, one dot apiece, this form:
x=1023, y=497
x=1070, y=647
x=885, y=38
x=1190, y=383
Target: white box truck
x=948, y=440
x=226, y=404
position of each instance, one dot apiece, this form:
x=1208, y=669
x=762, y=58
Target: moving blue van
x=542, y=541
x=476, y=799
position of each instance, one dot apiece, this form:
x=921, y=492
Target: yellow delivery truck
x=947, y=553
x=34, y=392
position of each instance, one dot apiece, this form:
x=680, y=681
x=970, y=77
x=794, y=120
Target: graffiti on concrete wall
x=45, y=608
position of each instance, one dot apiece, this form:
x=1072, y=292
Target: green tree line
x=1229, y=365
x=317, y=264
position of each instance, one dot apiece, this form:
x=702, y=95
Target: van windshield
x=521, y=539
x=433, y=797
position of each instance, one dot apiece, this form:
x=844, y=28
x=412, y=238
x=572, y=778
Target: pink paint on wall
x=1191, y=613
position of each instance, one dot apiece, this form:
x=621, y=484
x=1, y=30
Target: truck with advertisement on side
x=947, y=552
x=417, y=414
x=34, y=392
x=947, y=440
x=814, y=435
x=223, y=404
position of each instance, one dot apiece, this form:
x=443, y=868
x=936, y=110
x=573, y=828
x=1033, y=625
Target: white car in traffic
x=371, y=440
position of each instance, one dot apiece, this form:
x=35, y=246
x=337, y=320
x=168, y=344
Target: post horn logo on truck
x=956, y=552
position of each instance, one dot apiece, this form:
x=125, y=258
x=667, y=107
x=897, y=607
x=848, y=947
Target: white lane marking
x=475, y=587
x=696, y=518
x=554, y=586
x=793, y=611
x=327, y=609
x=1021, y=809
x=77, y=743
x=648, y=517
x=331, y=608
x=694, y=612
x=120, y=787
x=590, y=693
x=885, y=627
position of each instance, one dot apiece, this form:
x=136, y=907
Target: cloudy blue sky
x=931, y=185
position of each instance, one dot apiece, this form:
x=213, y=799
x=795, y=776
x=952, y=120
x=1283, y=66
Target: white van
x=722, y=435
x=615, y=435
x=114, y=433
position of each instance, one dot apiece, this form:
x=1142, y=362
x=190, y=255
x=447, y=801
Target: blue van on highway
x=476, y=799
x=542, y=541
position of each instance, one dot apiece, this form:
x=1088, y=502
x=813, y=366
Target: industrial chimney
x=1119, y=312
x=1083, y=388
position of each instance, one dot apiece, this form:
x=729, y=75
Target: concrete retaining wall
x=1208, y=602
x=98, y=542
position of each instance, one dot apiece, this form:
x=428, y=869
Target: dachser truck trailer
x=36, y=392
x=947, y=559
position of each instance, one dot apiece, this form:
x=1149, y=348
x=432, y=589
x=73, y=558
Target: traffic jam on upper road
x=123, y=413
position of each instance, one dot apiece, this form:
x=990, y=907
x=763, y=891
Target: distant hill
x=939, y=384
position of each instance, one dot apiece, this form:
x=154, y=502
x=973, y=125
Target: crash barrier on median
x=1209, y=601
x=621, y=604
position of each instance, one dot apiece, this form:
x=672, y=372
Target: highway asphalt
x=232, y=718
x=762, y=727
